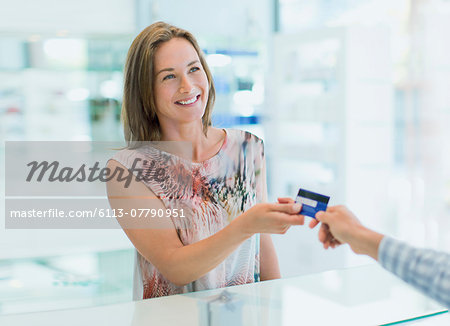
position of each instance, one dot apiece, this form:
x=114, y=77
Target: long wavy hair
x=139, y=117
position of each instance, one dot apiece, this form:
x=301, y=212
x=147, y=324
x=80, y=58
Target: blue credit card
x=311, y=202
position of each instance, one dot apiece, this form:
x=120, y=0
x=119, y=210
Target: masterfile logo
x=53, y=172
x=64, y=184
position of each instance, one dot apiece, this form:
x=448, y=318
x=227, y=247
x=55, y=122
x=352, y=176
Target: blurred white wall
x=67, y=17
x=417, y=190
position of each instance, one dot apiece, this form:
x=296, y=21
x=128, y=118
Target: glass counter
x=366, y=295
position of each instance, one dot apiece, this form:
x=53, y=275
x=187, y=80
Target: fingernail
x=297, y=207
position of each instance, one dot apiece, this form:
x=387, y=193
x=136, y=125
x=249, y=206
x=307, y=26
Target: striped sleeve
x=425, y=269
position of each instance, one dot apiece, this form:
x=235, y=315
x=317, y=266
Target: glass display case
x=342, y=297
x=67, y=281
x=62, y=88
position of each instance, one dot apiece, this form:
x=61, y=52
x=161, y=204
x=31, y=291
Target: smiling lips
x=188, y=101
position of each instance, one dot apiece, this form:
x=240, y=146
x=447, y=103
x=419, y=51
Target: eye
x=194, y=69
x=171, y=76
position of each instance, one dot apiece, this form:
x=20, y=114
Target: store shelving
x=333, y=107
x=329, y=122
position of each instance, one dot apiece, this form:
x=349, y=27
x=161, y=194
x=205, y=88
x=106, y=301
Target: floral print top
x=207, y=197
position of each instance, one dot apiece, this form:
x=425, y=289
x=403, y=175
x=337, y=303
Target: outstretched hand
x=325, y=235
x=338, y=225
x=271, y=218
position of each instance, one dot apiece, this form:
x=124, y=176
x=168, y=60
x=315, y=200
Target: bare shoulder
x=217, y=135
x=122, y=183
x=118, y=174
x=243, y=135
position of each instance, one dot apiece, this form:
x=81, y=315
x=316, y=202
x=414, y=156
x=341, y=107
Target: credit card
x=311, y=202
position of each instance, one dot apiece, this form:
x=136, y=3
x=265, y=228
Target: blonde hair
x=139, y=106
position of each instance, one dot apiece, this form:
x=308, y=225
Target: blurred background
x=352, y=99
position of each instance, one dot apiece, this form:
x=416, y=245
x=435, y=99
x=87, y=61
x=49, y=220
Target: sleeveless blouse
x=217, y=191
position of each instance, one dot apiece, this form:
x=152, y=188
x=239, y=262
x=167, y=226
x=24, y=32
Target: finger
x=336, y=243
x=333, y=241
x=313, y=223
x=331, y=209
x=330, y=237
x=320, y=216
x=329, y=243
x=285, y=229
x=281, y=229
x=286, y=208
x=325, y=235
x=295, y=219
x=322, y=233
x=285, y=200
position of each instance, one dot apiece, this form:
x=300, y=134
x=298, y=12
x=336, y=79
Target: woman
x=168, y=96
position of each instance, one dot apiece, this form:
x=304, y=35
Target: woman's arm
x=184, y=264
x=268, y=259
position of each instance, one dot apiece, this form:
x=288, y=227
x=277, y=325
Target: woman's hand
x=270, y=218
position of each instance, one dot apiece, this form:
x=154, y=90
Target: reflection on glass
x=62, y=282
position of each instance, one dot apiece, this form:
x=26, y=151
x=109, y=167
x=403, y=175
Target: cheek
x=206, y=92
x=204, y=83
x=162, y=94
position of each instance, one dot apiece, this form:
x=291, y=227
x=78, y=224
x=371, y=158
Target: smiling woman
x=148, y=74
x=223, y=239
x=180, y=82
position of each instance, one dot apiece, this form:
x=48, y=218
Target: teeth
x=192, y=100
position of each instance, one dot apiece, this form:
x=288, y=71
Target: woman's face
x=180, y=83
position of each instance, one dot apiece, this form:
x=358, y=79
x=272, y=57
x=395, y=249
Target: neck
x=192, y=133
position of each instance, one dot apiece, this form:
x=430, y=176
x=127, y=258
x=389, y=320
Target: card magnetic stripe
x=314, y=196
x=322, y=202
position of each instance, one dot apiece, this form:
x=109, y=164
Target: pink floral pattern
x=212, y=194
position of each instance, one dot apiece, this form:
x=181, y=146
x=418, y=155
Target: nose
x=186, y=85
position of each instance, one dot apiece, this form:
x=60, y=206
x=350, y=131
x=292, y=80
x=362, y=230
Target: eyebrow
x=171, y=69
